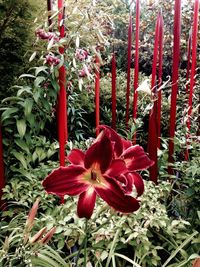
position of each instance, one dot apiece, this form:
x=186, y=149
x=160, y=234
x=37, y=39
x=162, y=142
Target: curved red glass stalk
x=113, y=91
x=49, y=8
x=128, y=70
x=152, y=133
x=175, y=67
x=62, y=98
x=159, y=94
x=2, y=177
x=136, y=64
x=97, y=93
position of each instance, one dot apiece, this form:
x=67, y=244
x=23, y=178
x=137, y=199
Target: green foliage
x=148, y=236
x=16, y=22
x=25, y=118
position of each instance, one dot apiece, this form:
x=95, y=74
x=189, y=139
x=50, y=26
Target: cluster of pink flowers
x=86, y=70
x=107, y=169
x=81, y=54
x=52, y=60
x=46, y=35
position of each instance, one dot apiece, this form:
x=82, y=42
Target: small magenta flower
x=52, y=60
x=86, y=70
x=46, y=35
x=81, y=54
x=91, y=174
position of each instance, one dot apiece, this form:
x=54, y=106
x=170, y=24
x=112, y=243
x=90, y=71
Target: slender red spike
x=97, y=93
x=193, y=69
x=175, y=67
x=62, y=98
x=188, y=62
x=152, y=133
x=113, y=91
x=128, y=70
x=49, y=8
x=159, y=101
x=194, y=56
x=2, y=177
x=136, y=64
x=187, y=80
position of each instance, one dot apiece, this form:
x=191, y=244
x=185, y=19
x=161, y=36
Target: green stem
x=85, y=243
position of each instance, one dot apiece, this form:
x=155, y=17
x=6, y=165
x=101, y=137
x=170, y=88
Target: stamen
x=93, y=175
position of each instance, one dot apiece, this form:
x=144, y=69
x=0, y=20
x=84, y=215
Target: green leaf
x=21, y=158
x=22, y=144
x=26, y=76
x=6, y=114
x=50, y=44
x=21, y=127
x=39, y=80
x=28, y=104
x=39, y=69
x=32, y=56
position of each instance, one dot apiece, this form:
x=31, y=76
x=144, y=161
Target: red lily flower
x=90, y=174
x=134, y=158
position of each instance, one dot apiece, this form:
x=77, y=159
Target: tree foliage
x=16, y=20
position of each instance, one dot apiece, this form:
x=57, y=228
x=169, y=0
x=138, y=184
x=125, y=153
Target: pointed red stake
x=187, y=81
x=113, y=91
x=188, y=62
x=49, y=8
x=2, y=177
x=193, y=66
x=136, y=64
x=175, y=67
x=62, y=99
x=159, y=95
x=194, y=56
x=128, y=70
x=152, y=133
x=97, y=93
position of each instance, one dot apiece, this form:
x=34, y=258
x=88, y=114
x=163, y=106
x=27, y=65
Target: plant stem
x=85, y=243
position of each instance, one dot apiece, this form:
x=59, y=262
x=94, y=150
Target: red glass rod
x=136, y=64
x=113, y=91
x=152, y=133
x=175, y=68
x=159, y=93
x=97, y=93
x=62, y=98
x=128, y=70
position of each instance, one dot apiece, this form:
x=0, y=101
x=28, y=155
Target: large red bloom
x=94, y=173
x=134, y=158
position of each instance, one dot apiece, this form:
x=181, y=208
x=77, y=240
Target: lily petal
x=117, y=167
x=86, y=203
x=136, y=159
x=100, y=152
x=136, y=180
x=126, y=143
x=65, y=181
x=76, y=157
x=113, y=194
x=114, y=137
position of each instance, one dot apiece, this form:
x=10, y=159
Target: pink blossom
x=81, y=54
x=52, y=60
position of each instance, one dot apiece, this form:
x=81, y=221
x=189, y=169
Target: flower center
x=94, y=175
